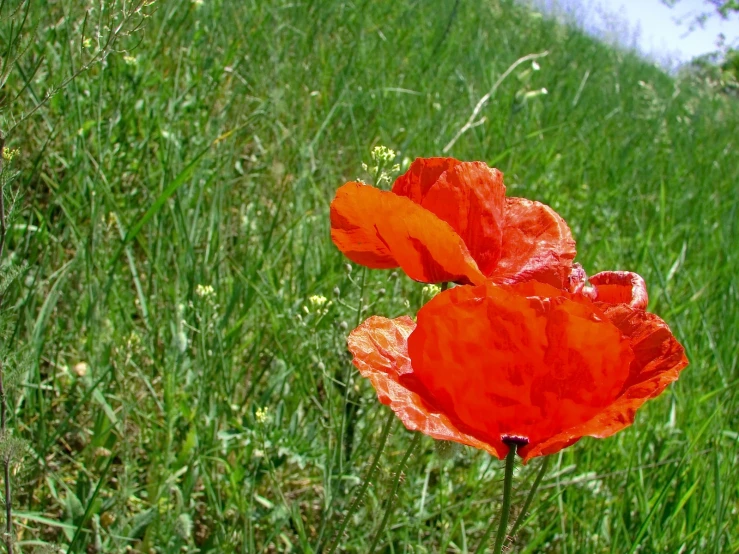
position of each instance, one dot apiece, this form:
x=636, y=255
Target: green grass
x=161, y=430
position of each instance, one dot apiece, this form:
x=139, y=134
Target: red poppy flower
x=528, y=362
x=447, y=220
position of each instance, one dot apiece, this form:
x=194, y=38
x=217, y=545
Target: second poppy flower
x=447, y=220
x=530, y=363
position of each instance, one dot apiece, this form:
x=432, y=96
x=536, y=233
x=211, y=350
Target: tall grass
x=187, y=395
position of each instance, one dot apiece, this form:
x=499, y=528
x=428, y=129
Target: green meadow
x=181, y=384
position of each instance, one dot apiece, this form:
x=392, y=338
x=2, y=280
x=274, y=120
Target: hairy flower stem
x=506, y=509
x=365, y=484
x=530, y=496
x=390, y=502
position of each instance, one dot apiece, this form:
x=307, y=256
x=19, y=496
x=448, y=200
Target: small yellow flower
x=10, y=153
x=205, y=291
x=131, y=60
x=382, y=154
x=262, y=415
x=317, y=300
x=164, y=505
x=429, y=291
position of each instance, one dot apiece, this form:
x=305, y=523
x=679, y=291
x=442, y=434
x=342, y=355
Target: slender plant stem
x=6, y=470
x=365, y=484
x=3, y=229
x=390, y=502
x=530, y=496
x=361, y=297
x=506, y=509
x=3, y=401
x=350, y=400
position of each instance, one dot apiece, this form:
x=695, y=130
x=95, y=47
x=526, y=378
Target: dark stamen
x=518, y=440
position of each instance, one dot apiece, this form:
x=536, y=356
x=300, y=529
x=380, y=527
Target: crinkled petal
x=537, y=244
x=620, y=287
x=380, y=350
x=499, y=363
x=380, y=229
x=421, y=175
x=471, y=197
x=658, y=360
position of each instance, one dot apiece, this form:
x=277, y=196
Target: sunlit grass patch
x=218, y=409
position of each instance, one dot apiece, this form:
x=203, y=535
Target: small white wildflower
x=102, y=452
x=204, y=291
x=80, y=369
x=535, y=93
x=131, y=60
x=317, y=300
x=535, y=66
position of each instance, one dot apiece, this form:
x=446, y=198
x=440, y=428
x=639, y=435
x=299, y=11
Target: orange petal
x=353, y=231
x=380, y=229
x=658, y=360
x=537, y=244
x=620, y=287
x=471, y=197
x=422, y=173
x=499, y=363
x=380, y=350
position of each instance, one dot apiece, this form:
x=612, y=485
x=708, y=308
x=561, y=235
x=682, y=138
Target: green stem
x=506, y=509
x=396, y=484
x=365, y=484
x=530, y=497
x=444, y=286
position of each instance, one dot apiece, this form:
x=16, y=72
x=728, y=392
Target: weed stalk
x=3, y=401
